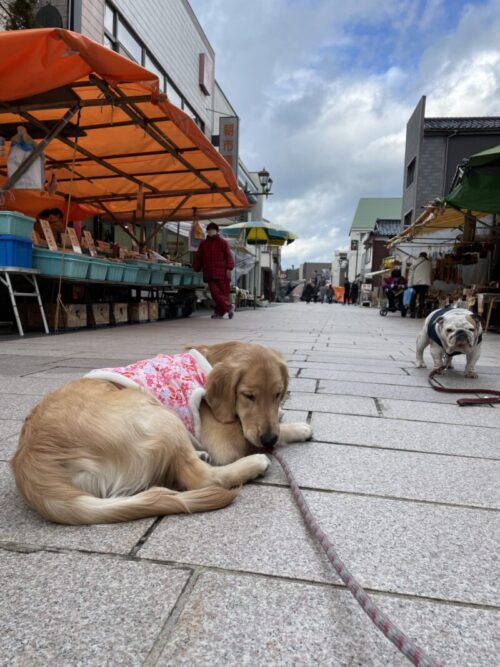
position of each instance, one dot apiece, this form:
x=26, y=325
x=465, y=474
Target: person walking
x=420, y=281
x=329, y=293
x=347, y=292
x=354, y=292
x=308, y=292
x=215, y=259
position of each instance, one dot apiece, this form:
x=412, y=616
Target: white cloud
x=324, y=106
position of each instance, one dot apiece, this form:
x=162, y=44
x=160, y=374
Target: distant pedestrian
x=322, y=292
x=215, y=259
x=308, y=292
x=329, y=293
x=354, y=292
x=347, y=292
x=420, y=281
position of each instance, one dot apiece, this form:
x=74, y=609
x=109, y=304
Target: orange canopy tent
x=33, y=202
x=113, y=141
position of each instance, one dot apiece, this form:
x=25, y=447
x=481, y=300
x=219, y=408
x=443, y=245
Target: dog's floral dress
x=176, y=380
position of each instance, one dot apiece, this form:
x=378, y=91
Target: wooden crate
x=153, y=311
x=98, y=314
x=138, y=312
x=119, y=313
x=72, y=316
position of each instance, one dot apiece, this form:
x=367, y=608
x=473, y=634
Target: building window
x=128, y=43
x=151, y=65
x=109, y=20
x=120, y=37
x=410, y=172
x=407, y=219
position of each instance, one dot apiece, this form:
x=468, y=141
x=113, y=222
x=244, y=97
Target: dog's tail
x=59, y=501
x=87, y=509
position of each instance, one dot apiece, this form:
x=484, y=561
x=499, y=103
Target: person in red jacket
x=214, y=258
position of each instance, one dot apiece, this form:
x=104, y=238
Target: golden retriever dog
x=93, y=452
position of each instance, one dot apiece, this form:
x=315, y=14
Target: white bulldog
x=451, y=331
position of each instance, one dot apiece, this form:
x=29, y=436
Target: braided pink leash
x=414, y=654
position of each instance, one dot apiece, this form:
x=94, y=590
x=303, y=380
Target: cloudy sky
x=324, y=89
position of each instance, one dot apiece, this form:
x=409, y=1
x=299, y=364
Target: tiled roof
x=371, y=209
x=480, y=123
x=387, y=227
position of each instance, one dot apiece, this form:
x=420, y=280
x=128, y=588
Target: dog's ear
x=283, y=370
x=222, y=383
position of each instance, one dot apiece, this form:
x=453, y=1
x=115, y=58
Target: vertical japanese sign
x=228, y=140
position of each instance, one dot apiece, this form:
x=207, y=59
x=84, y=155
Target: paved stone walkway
x=405, y=483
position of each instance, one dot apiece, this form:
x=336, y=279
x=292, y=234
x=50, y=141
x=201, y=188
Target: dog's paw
x=421, y=364
x=261, y=462
x=205, y=457
x=299, y=432
x=471, y=374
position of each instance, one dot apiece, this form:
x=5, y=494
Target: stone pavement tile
x=15, y=406
x=21, y=525
x=65, y=374
x=243, y=620
x=8, y=447
x=384, y=391
x=383, y=369
x=407, y=435
x=301, y=384
x=328, y=403
x=329, y=373
x=437, y=478
x=75, y=609
x=9, y=427
x=360, y=360
x=290, y=416
x=443, y=414
x=391, y=545
x=27, y=385
x=456, y=378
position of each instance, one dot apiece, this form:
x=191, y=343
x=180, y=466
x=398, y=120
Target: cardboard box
x=72, y=316
x=98, y=314
x=138, y=312
x=153, y=310
x=119, y=313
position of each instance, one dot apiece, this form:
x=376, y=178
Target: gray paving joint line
x=199, y=569
x=401, y=450
x=359, y=494
x=166, y=631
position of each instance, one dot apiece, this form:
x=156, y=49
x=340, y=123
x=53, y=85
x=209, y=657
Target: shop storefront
x=108, y=163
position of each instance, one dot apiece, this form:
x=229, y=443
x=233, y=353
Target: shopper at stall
x=420, y=281
x=394, y=286
x=55, y=218
x=214, y=258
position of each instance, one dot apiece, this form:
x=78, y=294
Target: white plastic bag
x=21, y=147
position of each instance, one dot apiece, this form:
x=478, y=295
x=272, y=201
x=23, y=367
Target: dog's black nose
x=268, y=439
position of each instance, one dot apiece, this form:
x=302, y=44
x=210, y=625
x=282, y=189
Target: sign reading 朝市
x=228, y=140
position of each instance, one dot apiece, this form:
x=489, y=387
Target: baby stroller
x=395, y=301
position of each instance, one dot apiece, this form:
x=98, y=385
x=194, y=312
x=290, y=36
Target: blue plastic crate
x=46, y=261
x=131, y=274
x=115, y=271
x=75, y=266
x=158, y=274
x=98, y=268
x=17, y=224
x=16, y=251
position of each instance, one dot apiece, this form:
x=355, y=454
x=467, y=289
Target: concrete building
x=340, y=267
x=315, y=270
x=167, y=38
x=434, y=149
x=368, y=211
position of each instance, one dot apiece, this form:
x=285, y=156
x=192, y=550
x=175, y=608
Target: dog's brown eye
x=250, y=397
x=278, y=395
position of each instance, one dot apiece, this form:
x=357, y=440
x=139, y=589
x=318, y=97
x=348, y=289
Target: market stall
x=461, y=234
x=100, y=140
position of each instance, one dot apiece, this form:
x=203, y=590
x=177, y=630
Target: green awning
x=478, y=188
